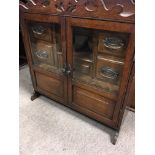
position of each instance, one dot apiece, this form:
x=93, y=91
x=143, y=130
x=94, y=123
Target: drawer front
x=93, y=102
x=50, y=84
x=109, y=69
x=83, y=67
x=41, y=31
x=43, y=52
x=112, y=43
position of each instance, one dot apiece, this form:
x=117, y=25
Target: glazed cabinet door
x=46, y=43
x=99, y=58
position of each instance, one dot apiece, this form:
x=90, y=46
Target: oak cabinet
x=22, y=54
x=130, y=95
x=80, y=54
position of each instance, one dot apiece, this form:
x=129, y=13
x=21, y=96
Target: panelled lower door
x=99, y=55
x=46, y=41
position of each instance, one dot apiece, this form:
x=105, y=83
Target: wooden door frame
x=110, y=26
x=131, y=90
x=24, y=19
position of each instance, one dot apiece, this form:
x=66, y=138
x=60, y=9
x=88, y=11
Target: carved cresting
x=82, y=8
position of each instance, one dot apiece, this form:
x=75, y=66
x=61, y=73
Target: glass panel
x=46, y=46
x=98, y=58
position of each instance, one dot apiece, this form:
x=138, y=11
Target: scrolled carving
x=83, y=8
x=117, y=9
x=30, y=5
x=23, y=6
x=60, y=7
x=66, y=7
x=133, y=2
x=90, y=5
x=71, y=7
x=100, y=9
x=104, y=5
x=33, y=2
x=76, y=1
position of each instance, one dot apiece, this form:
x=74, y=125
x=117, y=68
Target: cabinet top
x=113, y=10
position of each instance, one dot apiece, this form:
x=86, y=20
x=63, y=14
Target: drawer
x=50, y=84
x=109, y=69
x=41, y=31
x=83, y=62
x=43, y=52
x=112, y=43
x=83, y=67
x=93, y=102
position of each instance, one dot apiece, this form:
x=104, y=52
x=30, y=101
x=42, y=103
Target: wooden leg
x=35, y=95
x=114, y=140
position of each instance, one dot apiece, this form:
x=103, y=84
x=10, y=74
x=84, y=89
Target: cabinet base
x=35, y=95
x=115, y=137
x=116, y=132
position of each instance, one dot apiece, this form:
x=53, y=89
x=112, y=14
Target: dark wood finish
x=22, y=54
x=128, y=60
x=49, y=84
x=114, y=64
x=93, y=102
x=35, y=95
x=93, y=43
x=119, y=10
x=130, y=97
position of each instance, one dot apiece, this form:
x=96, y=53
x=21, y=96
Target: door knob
x=67, y=70
x=64, y=69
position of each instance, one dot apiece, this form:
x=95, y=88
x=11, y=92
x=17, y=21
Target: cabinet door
x=47, y=55
x=99, y=55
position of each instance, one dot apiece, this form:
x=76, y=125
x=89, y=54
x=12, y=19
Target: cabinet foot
x=34, y=96
x=115, y=137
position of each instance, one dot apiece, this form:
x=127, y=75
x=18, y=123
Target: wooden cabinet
x=130, y=95
x=80, y=54
x=22, y=54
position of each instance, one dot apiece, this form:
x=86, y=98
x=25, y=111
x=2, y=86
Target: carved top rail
x=122, y=10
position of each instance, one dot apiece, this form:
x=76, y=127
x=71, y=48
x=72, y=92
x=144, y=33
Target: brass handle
x=38, y=29
x=109, y=73
x=42, y=54
x=113, y=42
